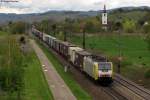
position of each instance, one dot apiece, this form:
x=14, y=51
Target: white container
x=72, y=51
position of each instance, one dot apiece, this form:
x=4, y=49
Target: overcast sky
x=39, y=6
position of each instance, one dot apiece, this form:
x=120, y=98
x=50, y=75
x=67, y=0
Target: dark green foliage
x=125, y=63
x=11, y=66
x=21, y=76
x=1, y=28
x=146, y=27
x=17, y=28
x=22, y=40
x=129, y=25
x=148, y=41
x=147, y=73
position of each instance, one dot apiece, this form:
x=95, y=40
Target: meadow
x=21, y=77
x=134, y=50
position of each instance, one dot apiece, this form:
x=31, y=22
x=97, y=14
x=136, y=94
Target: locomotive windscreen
x=104, y=66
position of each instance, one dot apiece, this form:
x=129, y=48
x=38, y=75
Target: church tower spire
x=104, y=9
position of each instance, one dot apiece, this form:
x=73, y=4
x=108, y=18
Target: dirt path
x=58, y=87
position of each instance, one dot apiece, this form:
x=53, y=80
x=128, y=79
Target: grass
x=3, y=33
x=35, y=86
x=134, y=52
x=67, y=76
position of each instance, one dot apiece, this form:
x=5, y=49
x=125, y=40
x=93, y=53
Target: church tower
x=104, y=18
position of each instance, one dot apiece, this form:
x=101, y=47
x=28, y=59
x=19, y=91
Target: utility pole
x=83, y=38
x=119, y=47
x=65, y=36
x=83, y=35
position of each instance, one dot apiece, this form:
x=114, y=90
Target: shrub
x=22, y=40
x=147, y=73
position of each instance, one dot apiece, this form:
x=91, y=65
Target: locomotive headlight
x=105, y=74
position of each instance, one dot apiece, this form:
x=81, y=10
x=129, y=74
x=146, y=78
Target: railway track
x=114, y=94
x=96, y=90
x=136, y=92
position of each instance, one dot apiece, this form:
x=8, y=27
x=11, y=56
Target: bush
x=22, y=40
x=1, y=28
x=148, y=41
x=129, y=26
x=11, y=66
x=17, y=28
x=124, y=62
x=147, y=74
x=146, y=28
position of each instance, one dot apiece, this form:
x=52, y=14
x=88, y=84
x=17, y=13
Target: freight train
x=97, y=67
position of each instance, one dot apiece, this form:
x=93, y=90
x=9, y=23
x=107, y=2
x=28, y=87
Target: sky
x=40, y=6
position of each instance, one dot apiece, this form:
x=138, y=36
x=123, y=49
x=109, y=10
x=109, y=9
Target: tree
x=129, y=25
x=146, y=27
x=54, y=27
x=1, y=28
x=17, y=27
x=148, y=41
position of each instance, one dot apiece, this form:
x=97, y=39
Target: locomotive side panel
x=88, y=67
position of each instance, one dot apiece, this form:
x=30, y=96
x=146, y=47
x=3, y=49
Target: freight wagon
x=64, y=49
x=79, y=58
x=56, y=45
x=72, y=51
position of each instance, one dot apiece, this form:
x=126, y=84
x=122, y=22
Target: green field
x=136, y=56
x=21, y=77
x=67, y=76
x=3, y=33
x=36, y=87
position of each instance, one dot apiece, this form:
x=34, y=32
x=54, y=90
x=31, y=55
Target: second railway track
x=135, y=92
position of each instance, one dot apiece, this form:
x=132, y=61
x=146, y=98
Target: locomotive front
x=105, y=71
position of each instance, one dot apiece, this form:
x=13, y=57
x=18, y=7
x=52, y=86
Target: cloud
x=37, y=6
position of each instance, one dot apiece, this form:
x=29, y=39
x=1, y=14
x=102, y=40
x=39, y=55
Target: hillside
x=53, y=15
x=132, y=12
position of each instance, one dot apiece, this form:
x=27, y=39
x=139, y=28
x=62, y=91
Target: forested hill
x=133, y=12
x=53, y=15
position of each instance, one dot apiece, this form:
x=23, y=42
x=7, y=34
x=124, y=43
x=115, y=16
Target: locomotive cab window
x=104, y=66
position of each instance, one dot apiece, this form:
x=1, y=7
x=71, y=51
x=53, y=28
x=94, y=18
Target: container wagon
x=79, y=58
x=64, y=49
x=72, y=51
